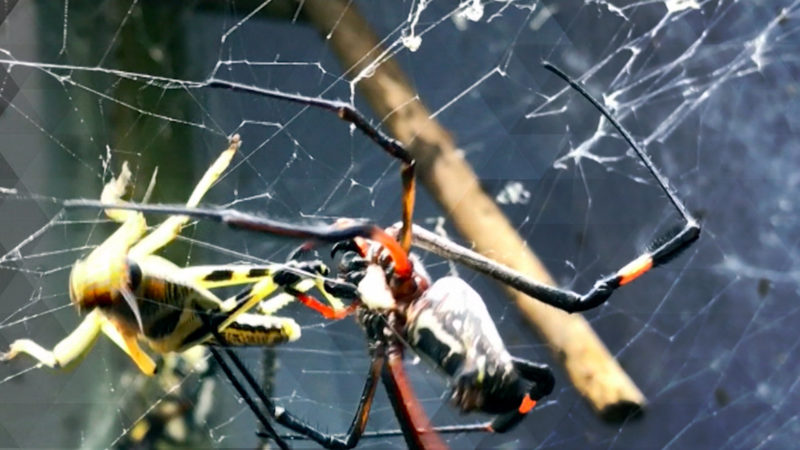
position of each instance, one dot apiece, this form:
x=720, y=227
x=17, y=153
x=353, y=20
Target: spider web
x=708, y=87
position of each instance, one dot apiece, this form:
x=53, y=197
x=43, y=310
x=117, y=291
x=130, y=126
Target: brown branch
x=452, y=182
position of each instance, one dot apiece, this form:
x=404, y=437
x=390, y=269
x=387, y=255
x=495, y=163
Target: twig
x=450, y=180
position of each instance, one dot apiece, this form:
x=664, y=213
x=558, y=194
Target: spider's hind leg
x=540, y=376
x=541, y=381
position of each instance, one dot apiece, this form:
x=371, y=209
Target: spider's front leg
x=295, y=280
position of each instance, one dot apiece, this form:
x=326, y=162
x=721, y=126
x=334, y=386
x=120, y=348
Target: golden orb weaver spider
x=444, y=321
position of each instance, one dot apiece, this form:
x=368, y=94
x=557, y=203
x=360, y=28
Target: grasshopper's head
x=93, y=284
x=105, y=284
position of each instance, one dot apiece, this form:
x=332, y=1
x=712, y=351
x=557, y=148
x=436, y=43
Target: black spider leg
x=665, y=250
x=381, y=330
x=286, y=418
x=348, y=113
x=380, y=352
x=270, y=431
x=542, y=382
x=235, y=219
x=208, y=323
x=560, y=298
x=661, y=252
x=285, y=278
x=539, y=375
x=331, y=234
x=289, y=420
x=662, y=181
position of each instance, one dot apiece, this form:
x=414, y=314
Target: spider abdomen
x=450, y=325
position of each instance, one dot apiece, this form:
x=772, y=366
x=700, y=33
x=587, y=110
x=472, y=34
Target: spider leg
x=348, y=113
x=289, y=420
x=415, y=427
x=542, y=382
x=539, y=374
x=170, y=228
x=341, y=231
x=661, y=252
x=603, y=288
x=295, y=278
x=560, y=298
x=235, y=219
x=295, y=282
x=357, y=425
x=414, y=423
x=409, y=195
x=386, y=361
x=242, y=391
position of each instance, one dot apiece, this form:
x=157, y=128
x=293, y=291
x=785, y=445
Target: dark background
x=712, y=92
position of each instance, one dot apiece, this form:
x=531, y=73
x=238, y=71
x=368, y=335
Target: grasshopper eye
x=134, y=274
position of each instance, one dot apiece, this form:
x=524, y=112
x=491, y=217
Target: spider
x=399, y=306
x=132, y=295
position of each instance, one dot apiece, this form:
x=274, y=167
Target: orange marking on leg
x=409, y=194
x=527, y=404
x=325, y=310
x=635, y=268
x=402, y=266
x=363, y=246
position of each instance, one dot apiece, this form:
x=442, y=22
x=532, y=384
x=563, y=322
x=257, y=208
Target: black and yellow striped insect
x=132, y=295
